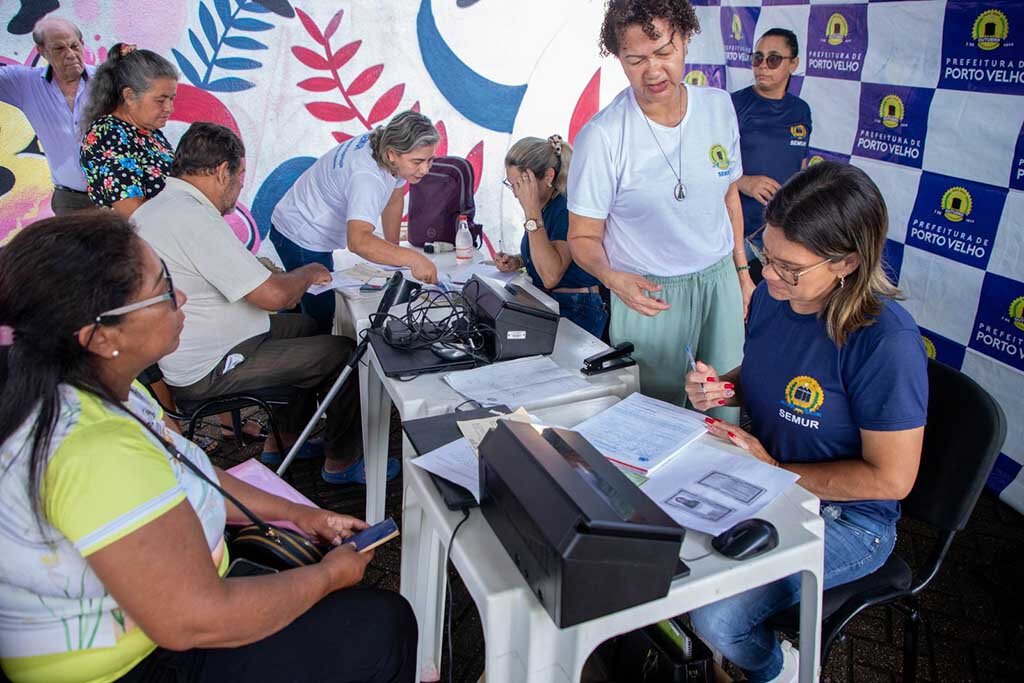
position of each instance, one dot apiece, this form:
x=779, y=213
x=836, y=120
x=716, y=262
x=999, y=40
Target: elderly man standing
x=52, y=99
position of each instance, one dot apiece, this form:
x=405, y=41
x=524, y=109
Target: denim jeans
x=319, y=307
x=586, y=310
x=855, y=546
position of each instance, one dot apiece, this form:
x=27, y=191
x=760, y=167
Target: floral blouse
x=121, y=161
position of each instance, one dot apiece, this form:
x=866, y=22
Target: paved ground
x=974, y=628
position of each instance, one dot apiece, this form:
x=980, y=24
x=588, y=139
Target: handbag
x=259, y=542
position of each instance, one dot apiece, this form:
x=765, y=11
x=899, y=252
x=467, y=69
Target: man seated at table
x=230, y=343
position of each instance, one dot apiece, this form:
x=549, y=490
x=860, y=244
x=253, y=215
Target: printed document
x=461, y=274
x=708, y=488
x=476, y=430
x=515, y=382
x=642, y=433
x=456, y=462
x=338, y=280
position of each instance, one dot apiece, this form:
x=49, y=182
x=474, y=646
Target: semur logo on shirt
x=803, y=398
x=719, y=159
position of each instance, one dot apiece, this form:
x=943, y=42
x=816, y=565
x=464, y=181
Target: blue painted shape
x=274, y=188
x=484, y=102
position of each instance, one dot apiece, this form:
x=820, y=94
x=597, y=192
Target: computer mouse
x=448, y=352
x=747, y=539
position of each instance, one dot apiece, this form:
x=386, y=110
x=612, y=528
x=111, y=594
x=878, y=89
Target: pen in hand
x=693, y=364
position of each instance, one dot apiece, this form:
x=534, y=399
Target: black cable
x=451, y=598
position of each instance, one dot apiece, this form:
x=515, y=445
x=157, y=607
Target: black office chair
x=191, y=413
x=964, y=434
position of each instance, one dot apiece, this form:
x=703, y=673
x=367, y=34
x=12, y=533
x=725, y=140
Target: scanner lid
x=608, y=503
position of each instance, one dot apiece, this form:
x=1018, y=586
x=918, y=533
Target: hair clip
x=127, y=49
x=6, y=335
x=556, y=142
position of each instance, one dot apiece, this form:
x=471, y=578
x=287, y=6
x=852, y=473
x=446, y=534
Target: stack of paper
x=642, y=433
x=476, y=430
x=456, y=462
x=515, y=382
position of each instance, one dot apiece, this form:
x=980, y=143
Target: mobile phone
x=373, y=536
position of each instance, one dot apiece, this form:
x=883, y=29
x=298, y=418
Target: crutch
x=398, y=291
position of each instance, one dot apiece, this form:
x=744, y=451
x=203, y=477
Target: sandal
x=309, y=451
x=356, y=473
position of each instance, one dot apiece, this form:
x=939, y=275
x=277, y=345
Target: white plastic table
x=522, y=642
x=428, y=394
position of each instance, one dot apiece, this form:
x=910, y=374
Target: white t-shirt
x=214, y=269
x=619, y=175
x=346, y=184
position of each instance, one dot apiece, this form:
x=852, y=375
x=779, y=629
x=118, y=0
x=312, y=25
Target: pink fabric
x=255, y=473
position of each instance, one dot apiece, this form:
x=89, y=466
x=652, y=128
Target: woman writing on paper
x=347, y=194
x=654, y=211
x=536, y=171
x=834, y=378
x=112, y=556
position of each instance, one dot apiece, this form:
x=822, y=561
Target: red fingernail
x=721, y=401
x=711, y=379
x=709, y=420
x=731, y=435
x=729, y=385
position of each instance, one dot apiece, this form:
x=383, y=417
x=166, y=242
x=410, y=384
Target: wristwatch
x=530, y=225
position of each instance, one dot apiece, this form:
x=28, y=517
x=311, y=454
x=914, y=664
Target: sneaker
x=790, y=664
x=309, y=451
x=356, y=473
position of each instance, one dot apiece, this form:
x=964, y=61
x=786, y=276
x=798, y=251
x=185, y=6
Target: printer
x=586, y=539
x=516, y=323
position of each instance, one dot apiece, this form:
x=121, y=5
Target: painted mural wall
x=924, y=95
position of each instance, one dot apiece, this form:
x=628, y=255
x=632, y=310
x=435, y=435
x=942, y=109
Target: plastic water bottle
x=463, y=242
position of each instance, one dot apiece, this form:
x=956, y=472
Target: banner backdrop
x=923, y=95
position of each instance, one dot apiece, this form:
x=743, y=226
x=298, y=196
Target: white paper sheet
x=476, y=430
x=461, y=274
x=642, y=432
x=709, y=489
x=515, y=382
x=456, y=462
x=338, y=280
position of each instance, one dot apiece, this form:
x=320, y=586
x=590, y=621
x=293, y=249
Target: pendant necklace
x=679, y=192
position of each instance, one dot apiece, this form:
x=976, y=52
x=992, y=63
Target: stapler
x=613, y=359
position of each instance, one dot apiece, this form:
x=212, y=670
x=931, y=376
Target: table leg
x=810, y=625
x=375, y=409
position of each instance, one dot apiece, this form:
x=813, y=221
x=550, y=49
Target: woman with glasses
x=112, y=552
x=834, y=379
x=536, y=171
x=775, y=126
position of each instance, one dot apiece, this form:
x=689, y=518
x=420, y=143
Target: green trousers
x=706, y=314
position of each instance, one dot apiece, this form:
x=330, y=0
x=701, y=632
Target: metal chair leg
x=236, y=426
x=911, y=636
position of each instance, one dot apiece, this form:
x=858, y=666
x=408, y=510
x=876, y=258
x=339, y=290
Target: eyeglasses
x=788, y=275
x=169, y=295
x=506, y=183
x=773, y=59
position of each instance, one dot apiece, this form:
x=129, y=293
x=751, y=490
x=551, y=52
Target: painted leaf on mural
x=365, y=80
x=387, y=104
x=329, y=111
x=332, y=25
x=348, y=109
x=279, y=7
x=345, y=53
x=310, y=58
x=317, y=84
x=211, y=53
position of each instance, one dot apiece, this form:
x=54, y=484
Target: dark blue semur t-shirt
x=774, y=135
x=808, y=398
x=555, y=217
